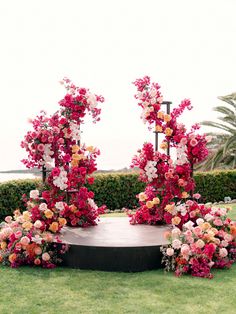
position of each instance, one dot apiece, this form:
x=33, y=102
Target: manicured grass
x=61, y=290
x=30, y=290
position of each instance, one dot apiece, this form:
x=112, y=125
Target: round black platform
x=114, y=245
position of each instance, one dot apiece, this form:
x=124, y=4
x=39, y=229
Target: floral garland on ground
x=31, y=237
x=202, y=237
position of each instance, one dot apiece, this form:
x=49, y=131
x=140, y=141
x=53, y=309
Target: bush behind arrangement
x=118, y=190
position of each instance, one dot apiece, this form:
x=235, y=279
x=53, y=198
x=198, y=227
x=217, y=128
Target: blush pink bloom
x=176, y=244
x=197, y=196
x=218, y=222
x=38, y=250
x=45, y=257
x=170, y=251
x=8, y=219
x=197, y=231
x=185, y=249
x=38, y=224
x=223, y=252
x=18, y=234
x=25, y=240
x=228, y=237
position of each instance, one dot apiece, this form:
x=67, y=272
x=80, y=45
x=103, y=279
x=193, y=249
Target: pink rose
x=176, y=244
x=25, y=240
x=170, y=251
x=223, y=252
x=38, y=224
x=8, y=219
x=197, y=231
x=218, y=222
x=38, y=250
x=46, y=257
x=185, y=249
x=196, y=196
x=193, y=142
x=228, y=237
x=18, y=234
x=40, y=147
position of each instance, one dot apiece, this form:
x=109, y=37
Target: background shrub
x=11, y=193
x=118, y=190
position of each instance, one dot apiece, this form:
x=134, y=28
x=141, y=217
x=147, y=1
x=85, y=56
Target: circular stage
x=114, y=245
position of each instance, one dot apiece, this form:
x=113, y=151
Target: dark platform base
x=114, y=245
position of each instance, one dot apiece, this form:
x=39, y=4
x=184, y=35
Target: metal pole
x=44, y=174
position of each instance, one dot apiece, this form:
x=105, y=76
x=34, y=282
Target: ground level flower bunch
x=204, y=243
x=26, y=241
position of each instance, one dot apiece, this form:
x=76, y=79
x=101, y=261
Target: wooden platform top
x=115, y=232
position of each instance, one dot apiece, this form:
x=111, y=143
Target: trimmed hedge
x=215, y=185
x=118, y=190
x=11, y=193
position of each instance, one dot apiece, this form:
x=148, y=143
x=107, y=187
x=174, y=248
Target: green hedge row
x=118, y=190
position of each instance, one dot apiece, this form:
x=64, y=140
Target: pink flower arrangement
x=201, y=245
x=23, y=241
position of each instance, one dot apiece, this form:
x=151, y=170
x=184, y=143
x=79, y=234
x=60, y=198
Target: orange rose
x=176, y=220
x=48, y=213
x=233, y=231
x=27, y=225
x=164, y=145
x=156, y=201
x=53, y=227
x=62, y=221
x=75, y=148
x=149, y=204
x=158, y=128
x=169, y=208
x=3, y=245
x=160, y=115
x=73, y=208
x=90, y=149
x=168, y=131
x=12, y=258
x=184, y=195
x=74, y=163
x=167, y=118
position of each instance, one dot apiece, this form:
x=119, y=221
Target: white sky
x=189, y=47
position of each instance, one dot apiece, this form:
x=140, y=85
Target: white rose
x=59, y=205
x=176, y=244
x=43, y=206
x=34, y=194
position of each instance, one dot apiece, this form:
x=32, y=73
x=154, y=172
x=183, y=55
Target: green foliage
x=118, y=190
x=11, y=193
x=215, y=185
x=223, y=151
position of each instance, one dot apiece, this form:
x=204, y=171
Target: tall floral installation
x=202, y=238
x=55, y=146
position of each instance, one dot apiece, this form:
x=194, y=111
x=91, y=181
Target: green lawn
x=62, y=290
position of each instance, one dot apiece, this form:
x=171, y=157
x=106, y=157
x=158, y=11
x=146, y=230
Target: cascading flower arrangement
x=167, y=181
x=54, y=145
x=71, y=164
x=202, y=237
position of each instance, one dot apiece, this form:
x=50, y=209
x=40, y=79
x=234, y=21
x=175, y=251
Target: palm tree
x=223, y=147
